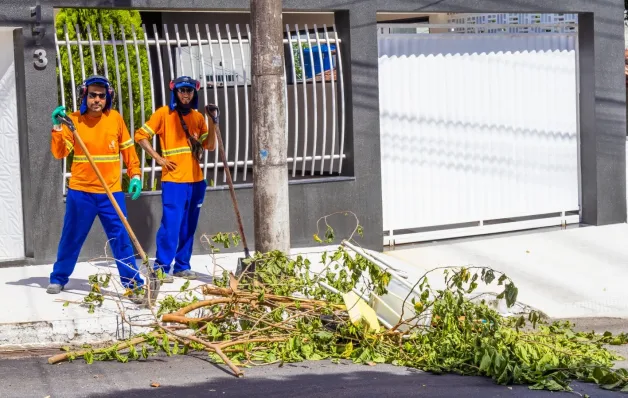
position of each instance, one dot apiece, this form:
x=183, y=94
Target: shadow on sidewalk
x=41, y=282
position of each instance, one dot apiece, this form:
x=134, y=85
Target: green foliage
x=224, y=239
x=127, y=19
x=296, y=53
x=95, y=297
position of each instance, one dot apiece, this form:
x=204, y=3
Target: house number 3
x=40, y=58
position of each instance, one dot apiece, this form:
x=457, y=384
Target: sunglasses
x=185, y=90
x=99, y=95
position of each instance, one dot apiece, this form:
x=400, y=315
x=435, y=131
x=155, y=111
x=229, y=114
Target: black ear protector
x=82, y=88
x=184, y=79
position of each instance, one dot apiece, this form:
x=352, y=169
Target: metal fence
x=141, y=62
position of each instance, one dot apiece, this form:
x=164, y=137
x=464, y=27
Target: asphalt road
x=195, y=376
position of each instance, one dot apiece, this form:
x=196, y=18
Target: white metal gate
x=219, y=57
x=479, y=133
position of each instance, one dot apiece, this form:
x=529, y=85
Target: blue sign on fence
x=328, y=63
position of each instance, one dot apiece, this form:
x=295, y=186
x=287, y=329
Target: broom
x=221, y=148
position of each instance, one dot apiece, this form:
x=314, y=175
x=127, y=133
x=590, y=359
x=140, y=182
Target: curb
x=69, y=332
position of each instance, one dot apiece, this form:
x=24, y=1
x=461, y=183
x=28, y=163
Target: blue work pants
x=80, y=211
x=182, y=204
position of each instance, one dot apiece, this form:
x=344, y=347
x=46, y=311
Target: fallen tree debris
x=291, y=311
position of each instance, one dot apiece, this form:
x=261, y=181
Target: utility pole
x=270, y=146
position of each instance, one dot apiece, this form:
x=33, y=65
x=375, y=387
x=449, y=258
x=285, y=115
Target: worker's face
x=185, y=95
x=96, y=98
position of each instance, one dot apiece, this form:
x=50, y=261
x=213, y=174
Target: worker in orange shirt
x=183, y=135
x=106, y=137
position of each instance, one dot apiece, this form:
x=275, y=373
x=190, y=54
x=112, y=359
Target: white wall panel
x=477, y=127
x=11, y=221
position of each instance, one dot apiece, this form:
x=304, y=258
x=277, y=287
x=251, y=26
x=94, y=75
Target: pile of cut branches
x=292, y=310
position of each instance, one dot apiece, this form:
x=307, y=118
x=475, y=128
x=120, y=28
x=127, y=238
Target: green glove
x=135, y=187
x=59, y=111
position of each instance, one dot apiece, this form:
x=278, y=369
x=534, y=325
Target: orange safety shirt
x=174, y=144
x=106, y=138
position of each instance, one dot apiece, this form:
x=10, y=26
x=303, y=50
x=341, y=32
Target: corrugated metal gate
x=479, y=133
x=11, y=216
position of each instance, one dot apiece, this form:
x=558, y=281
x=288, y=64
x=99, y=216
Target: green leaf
x=504, y=376
x=324, y=336
x=511, y=294
x=553, y=385
x=499, y=362
x=185, y=286
x=89, y=357
x=307, y=350
x=329, y=234
x=489, y=277
x=486, y=362
x=65, y=304
x=599, y=374
x=133, y=353
x=516, y=373
x=144, y=351
x=612, y=386
x=236, y=239
x=175, y=348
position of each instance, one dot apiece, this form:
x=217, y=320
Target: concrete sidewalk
x=32, y=318
x=573, y=273
x=579, y=272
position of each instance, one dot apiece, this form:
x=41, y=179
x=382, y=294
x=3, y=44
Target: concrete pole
x=270, y=146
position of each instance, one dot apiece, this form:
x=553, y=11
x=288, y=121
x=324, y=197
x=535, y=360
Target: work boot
x=54, y=288
x=135, y=298
x=186, y=274
x=168, y=278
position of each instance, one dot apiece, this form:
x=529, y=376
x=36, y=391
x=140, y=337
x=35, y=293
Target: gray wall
x=603, y=120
